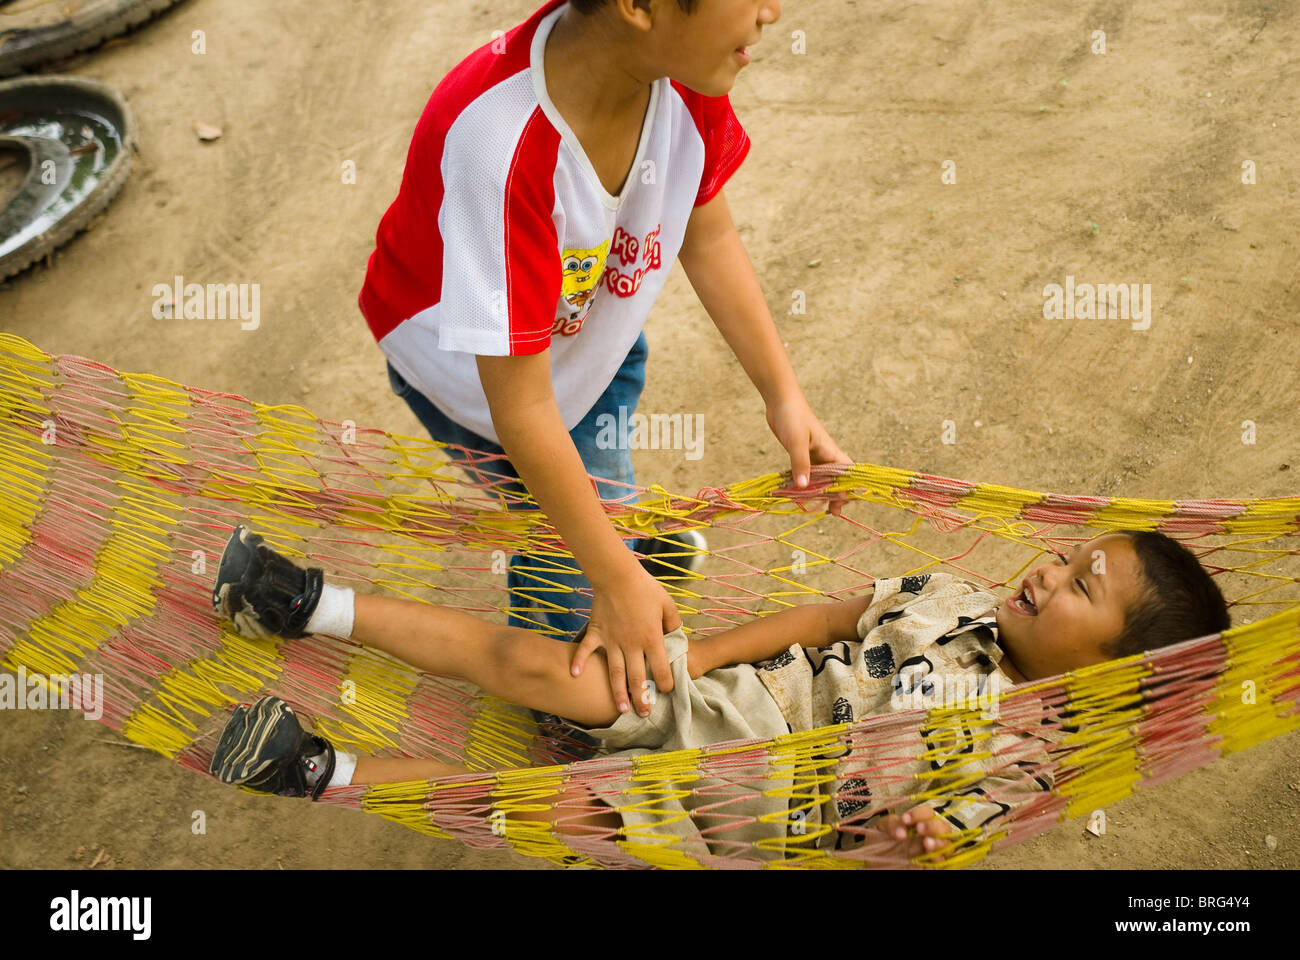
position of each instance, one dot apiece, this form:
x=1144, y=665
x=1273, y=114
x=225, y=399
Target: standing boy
x=553, y=178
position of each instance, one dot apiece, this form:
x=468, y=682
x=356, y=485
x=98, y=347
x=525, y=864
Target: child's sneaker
x=263, y=593
x=264, y=748
x=673, y=556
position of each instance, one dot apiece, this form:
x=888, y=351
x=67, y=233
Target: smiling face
x=706, y=49
x=582, y=271
x=1069, y=612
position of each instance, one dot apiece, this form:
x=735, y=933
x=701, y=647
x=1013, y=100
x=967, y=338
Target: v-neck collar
x=537, y=67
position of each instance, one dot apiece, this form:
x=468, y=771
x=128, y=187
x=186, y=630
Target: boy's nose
x=1050, y=576
x=771, y=12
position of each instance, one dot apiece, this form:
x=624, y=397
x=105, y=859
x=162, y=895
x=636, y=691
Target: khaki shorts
x=657, y=802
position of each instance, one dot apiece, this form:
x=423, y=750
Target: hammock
x=117, y=492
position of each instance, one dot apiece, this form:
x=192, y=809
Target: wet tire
x=27, y=42
x=79, y=137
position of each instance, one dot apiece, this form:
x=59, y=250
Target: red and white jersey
x=502, y=240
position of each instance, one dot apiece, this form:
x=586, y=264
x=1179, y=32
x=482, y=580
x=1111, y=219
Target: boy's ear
x=637, y=13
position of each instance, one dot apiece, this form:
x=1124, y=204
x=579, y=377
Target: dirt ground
x=924, y=304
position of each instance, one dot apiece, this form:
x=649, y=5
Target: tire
x=43, y=115
x=93, y=22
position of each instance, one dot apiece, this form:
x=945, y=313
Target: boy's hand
x=806, y=440
x=918, y=831
x=629, y=621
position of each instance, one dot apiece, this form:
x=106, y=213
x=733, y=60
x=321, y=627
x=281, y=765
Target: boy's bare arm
x=716, y=263
x=719, y=268
x=814, y=625
x=631, y=611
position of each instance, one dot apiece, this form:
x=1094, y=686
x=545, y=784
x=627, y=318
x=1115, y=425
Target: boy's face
x=1067, y=613
x=705, y=50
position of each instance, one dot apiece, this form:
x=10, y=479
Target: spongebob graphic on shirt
x=587, y=270
x=582, y=273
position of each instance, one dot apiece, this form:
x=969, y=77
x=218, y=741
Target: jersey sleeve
x=501, y=270
x=726, y=144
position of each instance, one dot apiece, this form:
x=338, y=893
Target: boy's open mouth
x=1023, y=602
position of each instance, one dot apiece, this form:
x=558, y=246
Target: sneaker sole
x=239, y=553
x=243, y=744
x=235, y=559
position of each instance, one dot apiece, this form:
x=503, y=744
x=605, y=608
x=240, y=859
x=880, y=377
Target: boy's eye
x=1078, y=581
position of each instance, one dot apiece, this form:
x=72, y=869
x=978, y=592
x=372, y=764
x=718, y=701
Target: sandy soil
x=924, y=304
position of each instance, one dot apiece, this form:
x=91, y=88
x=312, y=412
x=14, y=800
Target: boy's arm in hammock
x=1017, y=786
x=917, y=831
x=966, y=817
x=813, y=625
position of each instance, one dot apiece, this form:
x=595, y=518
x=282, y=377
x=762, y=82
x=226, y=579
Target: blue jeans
x=543, y=589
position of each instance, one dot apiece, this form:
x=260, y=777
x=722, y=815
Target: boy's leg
x=516, y=665
x=264, y=747
x=495, y=473
x=574, y=810
x=604, y=440
x=402, y=770
x=262, y=592
x=547, y=590
x=602, y=436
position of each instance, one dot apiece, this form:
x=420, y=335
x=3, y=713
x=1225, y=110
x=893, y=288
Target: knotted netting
x=117, y=492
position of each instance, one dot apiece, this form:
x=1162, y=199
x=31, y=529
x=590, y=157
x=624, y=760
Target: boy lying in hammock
x=812, y=666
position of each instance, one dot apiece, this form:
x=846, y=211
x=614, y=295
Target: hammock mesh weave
x=117, y=492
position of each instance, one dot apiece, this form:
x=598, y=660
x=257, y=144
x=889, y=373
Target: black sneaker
x=263, y=593
x=264, y=748
x=561, y=740
x=673, y=556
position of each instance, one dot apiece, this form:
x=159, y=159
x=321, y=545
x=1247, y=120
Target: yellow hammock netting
x=117, y=492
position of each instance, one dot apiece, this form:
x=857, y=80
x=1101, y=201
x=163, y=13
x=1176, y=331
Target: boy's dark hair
x=1179, y=600
x=591, y=6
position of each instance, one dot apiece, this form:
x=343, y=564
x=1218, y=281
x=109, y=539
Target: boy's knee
x=523, y=656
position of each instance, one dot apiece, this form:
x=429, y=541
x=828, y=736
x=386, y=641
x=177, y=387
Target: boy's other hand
x=918, y=831
x=793, y=423
x=629, y=621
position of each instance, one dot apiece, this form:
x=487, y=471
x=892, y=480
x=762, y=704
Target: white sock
x=333, y=613
x=345, y=765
